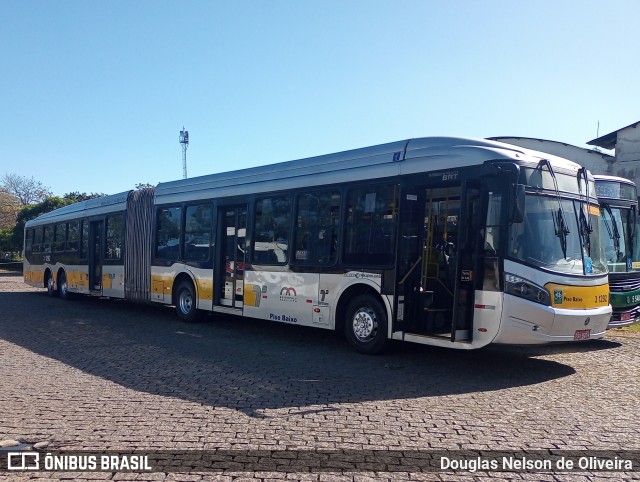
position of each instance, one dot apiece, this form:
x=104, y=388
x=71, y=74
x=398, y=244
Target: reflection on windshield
x=539, y=239
x=618, y=231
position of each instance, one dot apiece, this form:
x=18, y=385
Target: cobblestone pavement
x=97, y=374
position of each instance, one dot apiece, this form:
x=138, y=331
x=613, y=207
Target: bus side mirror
x=516, y=214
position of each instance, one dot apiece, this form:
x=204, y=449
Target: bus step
x=427, y=299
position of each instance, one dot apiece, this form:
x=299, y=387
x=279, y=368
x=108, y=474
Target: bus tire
x=365, y=325
x=186, y=302
x=63, y=287
x=51, y=289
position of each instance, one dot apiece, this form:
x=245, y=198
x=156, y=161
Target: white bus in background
x=440, y=241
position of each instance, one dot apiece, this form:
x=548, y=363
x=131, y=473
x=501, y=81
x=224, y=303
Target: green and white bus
x=618, y=199
x=440, y=241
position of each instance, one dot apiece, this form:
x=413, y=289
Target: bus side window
x=60, y=236
x=371, y=225
x=114, y=237
x=37, y=240
x=48, y=239
x=84, y=239
x=197, y=232
x=316, y=231
x=28, y=242
x=72, y=237
x=272, y=227
x=168, y=233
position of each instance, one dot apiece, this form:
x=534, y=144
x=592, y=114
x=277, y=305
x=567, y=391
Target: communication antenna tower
x=184, y=140
x=596, y=148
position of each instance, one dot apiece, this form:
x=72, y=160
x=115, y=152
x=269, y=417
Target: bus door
x=409, y=293
x=470, y=238
x=96, y=229
x=426, y=260
x=230, y=274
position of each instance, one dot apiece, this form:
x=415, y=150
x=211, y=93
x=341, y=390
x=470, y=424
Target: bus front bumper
x=527, y=323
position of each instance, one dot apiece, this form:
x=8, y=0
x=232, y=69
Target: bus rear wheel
x=51, y=289
x=63, y=287
x=186, y=302
x=365, y=325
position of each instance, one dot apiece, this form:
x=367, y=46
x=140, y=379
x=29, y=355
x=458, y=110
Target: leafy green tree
x=76, y=196
x=6, y=235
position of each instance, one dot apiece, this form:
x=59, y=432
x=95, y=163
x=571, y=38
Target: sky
x=93, y=94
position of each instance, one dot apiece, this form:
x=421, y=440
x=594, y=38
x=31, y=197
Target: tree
x=76, y=197
x=6, y=240
x=16, y=192
x=144, y=185
x=26, y=190
x=9, y=207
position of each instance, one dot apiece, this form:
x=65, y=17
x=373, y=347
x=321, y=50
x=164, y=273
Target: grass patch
x=632, y=331
x=635, y=328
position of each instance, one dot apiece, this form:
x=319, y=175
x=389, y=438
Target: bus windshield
x=620, y=238
x=559, y=235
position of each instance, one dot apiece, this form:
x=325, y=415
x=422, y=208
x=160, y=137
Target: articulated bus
x=440, y=241
x=618, y=199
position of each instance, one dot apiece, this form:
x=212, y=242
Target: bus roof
x=622, y=180
x=385, y=160
x=90, y=207
x=613, y=190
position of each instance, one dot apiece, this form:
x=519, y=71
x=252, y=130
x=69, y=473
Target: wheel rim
x=365, y=324
x=185, y=301
x=50, y=283
x=63, y=287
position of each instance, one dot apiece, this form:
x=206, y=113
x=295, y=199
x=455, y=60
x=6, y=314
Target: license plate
x=582, y=335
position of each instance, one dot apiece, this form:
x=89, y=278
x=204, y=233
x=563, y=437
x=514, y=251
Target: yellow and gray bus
x=618, y=199
x=440, y=241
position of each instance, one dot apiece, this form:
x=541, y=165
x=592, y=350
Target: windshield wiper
x=585, y=231
x=561, y=228
x=559, y=221
x=613, y=231
x=585, y=226
x=631, y=222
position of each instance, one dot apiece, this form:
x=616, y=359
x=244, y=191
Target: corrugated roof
x=605, y=157
x=608, y=141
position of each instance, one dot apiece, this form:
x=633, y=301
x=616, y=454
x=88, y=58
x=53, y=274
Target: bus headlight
x=523, y=288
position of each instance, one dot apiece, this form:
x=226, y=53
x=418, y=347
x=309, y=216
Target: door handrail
x=417, y=262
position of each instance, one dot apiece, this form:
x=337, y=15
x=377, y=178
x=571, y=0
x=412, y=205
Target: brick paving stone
x=97, y=374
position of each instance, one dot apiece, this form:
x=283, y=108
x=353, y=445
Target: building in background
x=596, y=161
x=626, y=143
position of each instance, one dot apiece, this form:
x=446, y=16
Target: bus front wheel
x=186, y=302
x=365, y=325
